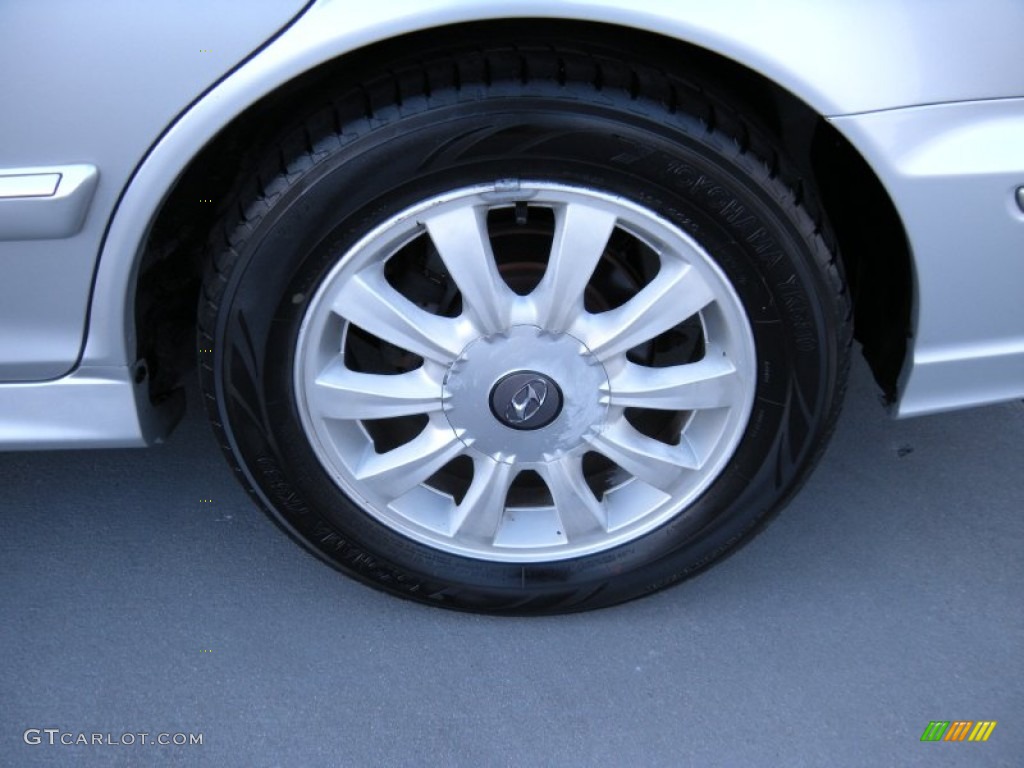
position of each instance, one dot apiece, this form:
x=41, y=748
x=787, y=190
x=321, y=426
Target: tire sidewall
x=698, y=181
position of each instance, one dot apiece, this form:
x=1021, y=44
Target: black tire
x=573, y=117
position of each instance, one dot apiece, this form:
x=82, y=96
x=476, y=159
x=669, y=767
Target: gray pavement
x=887, y=595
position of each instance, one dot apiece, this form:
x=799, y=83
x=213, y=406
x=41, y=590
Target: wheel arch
x=152, y=257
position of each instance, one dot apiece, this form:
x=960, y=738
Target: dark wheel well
x=858, y=211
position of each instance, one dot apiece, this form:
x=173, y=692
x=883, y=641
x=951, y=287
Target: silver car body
x=111, y=102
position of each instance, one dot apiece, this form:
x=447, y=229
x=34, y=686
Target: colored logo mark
x=958, y=730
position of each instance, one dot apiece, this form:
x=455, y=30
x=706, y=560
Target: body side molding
x=45, y=203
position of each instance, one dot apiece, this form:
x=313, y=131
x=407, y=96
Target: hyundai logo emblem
x=526, y=400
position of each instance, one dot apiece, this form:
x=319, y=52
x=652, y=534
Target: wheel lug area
x=526, y=396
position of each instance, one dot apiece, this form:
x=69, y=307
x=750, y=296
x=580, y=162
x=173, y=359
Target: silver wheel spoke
x=460, y=236
x=678, y=292
x=340, y=393
x=581, y=236
x=371, y=303
x=578, y=509
x=401, y=469
x=481, y=510
x=708, y=383
x=650, y=460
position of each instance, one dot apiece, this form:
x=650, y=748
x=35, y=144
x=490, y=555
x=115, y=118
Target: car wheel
x=523, y=333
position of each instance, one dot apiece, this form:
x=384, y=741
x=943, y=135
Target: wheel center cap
x=526, y=400
x=511, y=413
